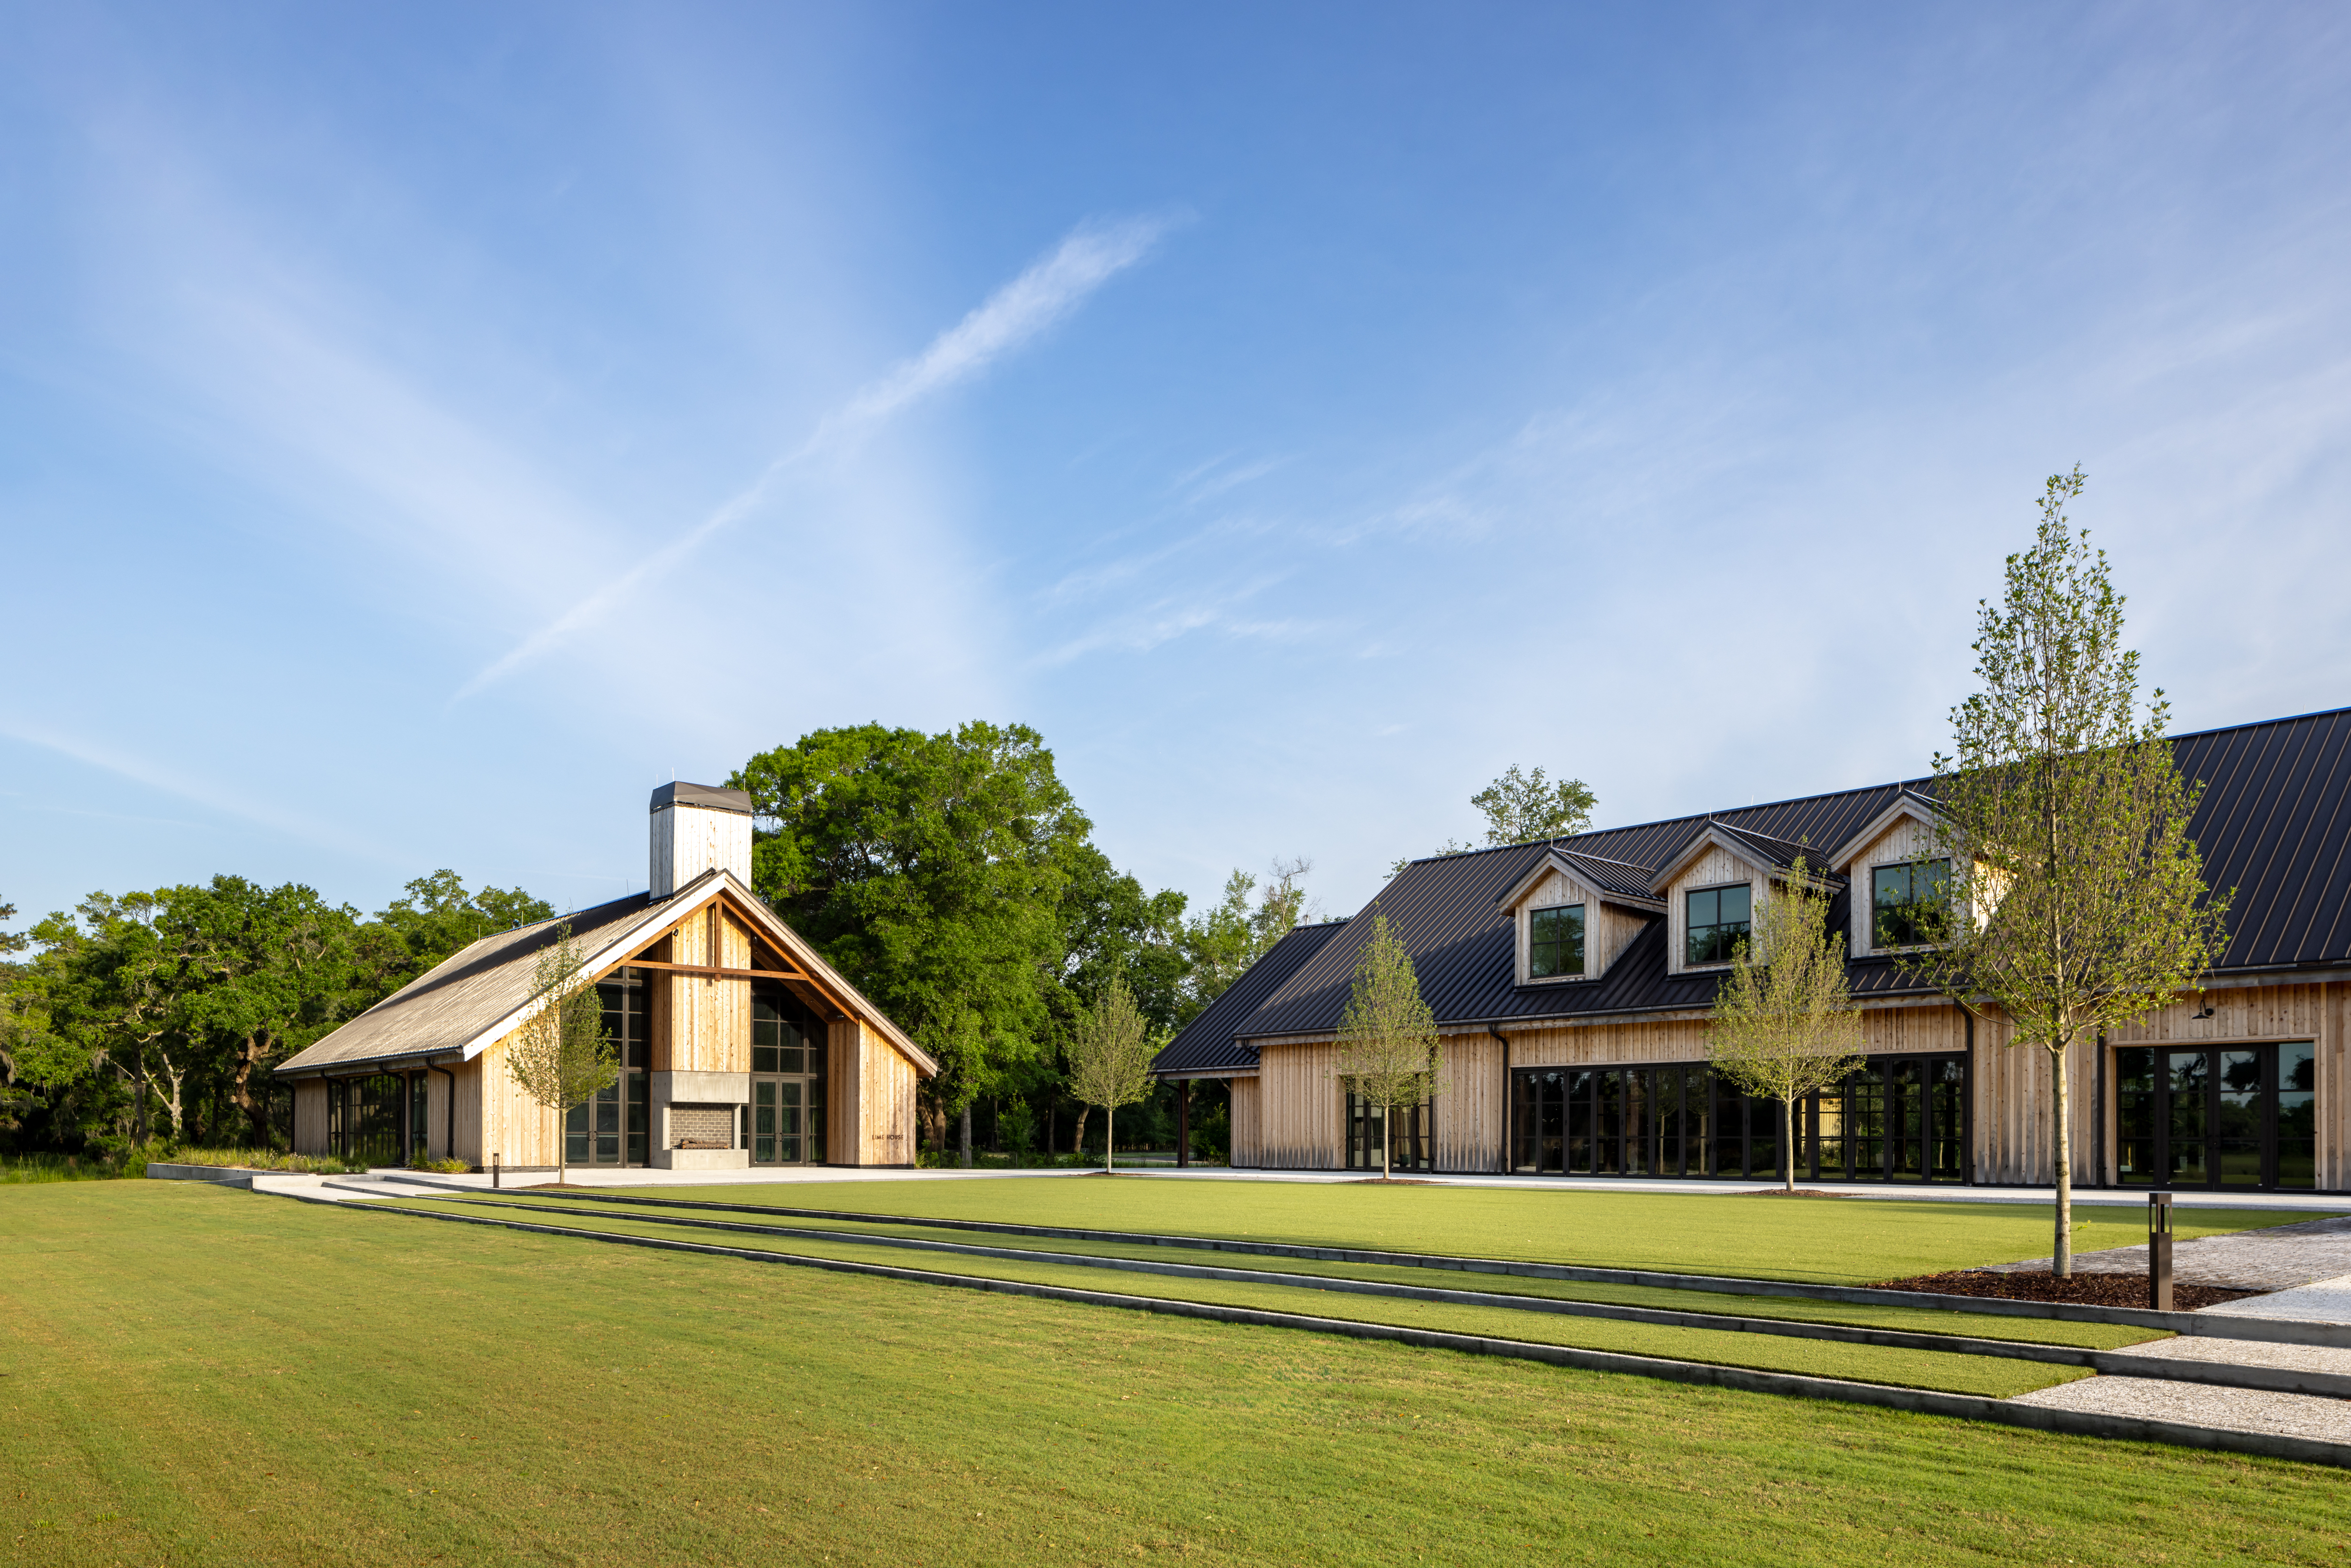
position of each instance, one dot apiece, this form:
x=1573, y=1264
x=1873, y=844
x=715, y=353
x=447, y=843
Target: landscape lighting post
x=2158, y=1251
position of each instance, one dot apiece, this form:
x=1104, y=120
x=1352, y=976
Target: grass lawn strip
x=1837, y=1241
x=218, y=1381
x=1942, y=1371
x=1904, y=1319
x=1221, y=1268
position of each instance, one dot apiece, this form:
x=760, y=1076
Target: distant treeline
x=951, y=877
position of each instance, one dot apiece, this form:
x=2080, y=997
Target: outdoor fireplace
x=701, y=1127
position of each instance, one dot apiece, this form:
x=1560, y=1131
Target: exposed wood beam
x=710, y=972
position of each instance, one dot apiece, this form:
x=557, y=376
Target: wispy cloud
x=196, y=792
x=1011, y=318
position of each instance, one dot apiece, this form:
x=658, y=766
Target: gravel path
x=2239, y=1409
x=2276, y=1259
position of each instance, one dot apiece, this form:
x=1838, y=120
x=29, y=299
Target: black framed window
x=1717, y=923
x=1555, y=942
x=1899, y=1118
x=1414, y=1143
x=788, y=1083
x=2216, y=1116
x=615, y=1128
x=1907, y=902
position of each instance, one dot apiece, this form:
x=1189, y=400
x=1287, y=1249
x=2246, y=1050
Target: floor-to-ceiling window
x=788, y=1079
x=1899, y=1118
x=612, y=1128
x=1413, y=1147
x=2220, y=1116
x=364, y=1118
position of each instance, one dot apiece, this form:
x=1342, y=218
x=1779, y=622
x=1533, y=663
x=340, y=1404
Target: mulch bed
x=2082, y=1289
x=1799, y=1192
x=1391, y=1181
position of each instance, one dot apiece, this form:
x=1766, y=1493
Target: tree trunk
x=241, y=1092
x=2061, y=1256
x=1078, y=1138
x=966, y=1160
x=1387, y=1138
x=561, y=1164
x=1110, y=1137
x=1788, y=1143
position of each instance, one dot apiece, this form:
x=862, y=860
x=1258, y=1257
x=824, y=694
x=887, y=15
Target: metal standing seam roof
x=474, y=994
x=1205, y=1046
x=2273, y=826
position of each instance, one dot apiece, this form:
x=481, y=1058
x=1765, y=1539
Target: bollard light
x=2158, y=1251
x=494, y=1171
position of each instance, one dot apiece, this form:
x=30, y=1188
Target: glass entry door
x=779, y=1121
x=2225, y=1116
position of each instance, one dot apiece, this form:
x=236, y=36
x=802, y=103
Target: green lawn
x=548, y=1210
x=1952, y=1373
x=1839, y=1241
x=196, y=1375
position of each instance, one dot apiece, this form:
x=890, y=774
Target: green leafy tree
x=1520, y=808
x=1222, y=944
x=562, y=1057
x=1109, y=1059
x=439, y=917
x=2077, y=900
x=1784, y=1024
x=931, y=871
x=1389, y=1054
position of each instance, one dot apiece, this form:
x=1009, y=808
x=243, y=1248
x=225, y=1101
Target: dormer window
x=1718, y=922
x=1555, y=942
x=1906, y=902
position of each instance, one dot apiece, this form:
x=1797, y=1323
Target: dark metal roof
x=709, y=797
x=1206, y=1045
x=2274, y=826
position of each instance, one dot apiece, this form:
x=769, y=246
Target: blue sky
x=426, y=429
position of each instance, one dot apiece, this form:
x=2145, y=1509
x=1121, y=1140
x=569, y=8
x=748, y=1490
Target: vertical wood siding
x=1301, y=1108
x=1471, y=1104
x=310, y=1116
x=1248, y=1139
x=709, y=1020
x=869, y=1099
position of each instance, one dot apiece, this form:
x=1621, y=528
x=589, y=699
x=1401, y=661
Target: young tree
x=1783, y=1024
x=2077, y=900
x=1520, y=808
x=562, y=1057
x=1109, y=1059
x=1389, y=1051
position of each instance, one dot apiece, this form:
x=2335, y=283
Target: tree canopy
x=2076, y=900
x=197, y=991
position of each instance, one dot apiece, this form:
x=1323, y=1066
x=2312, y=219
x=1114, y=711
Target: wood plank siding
x=1289, y=1116
x=1247, y=1151
x=869, y=1095
x=708, y=1018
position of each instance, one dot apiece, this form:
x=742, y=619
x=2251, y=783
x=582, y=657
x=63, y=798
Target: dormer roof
x=1771, y=856
x=1907, y=803
x=1616, y=882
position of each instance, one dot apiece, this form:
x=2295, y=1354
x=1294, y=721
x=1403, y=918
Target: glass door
x=2237, y=1116
x=788, y=1079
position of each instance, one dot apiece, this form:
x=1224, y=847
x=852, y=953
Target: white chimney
x=697, y=828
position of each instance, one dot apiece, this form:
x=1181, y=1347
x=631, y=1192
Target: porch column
x=1183, y=1122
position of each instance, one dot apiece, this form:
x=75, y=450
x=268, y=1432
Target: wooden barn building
x=739, y=1047
x=1573, y=979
